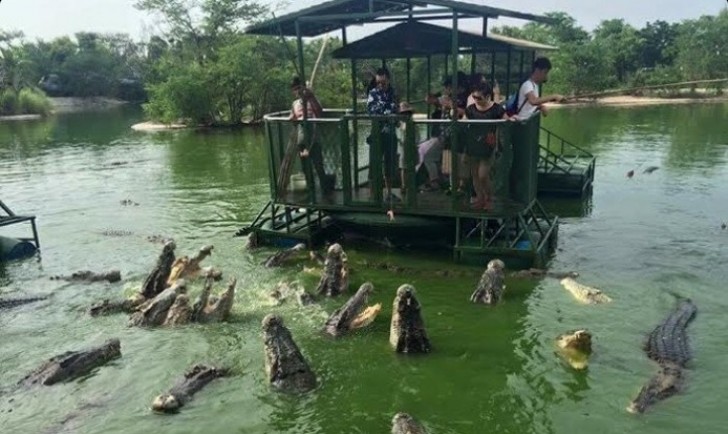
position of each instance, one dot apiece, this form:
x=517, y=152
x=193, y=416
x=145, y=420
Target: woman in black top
x=482, y=143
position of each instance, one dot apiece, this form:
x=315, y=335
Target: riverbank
x=154, y=126
x=74, y=104
x=20, y=118
x=635, y=101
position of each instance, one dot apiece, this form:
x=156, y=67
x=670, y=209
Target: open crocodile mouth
x=366, y=317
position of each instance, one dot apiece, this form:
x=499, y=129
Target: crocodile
x=491, y=285
x=156, y=281
x=354, y=313
x=650, y=169
x=9, y=303
x=575, y=347
x=537, y=273
x=116, y=233
x=285, y=366
x=158, y=239
x=335, y=277
x=108, y=307
x=193, y=381
x=111, y=276
x=403, y=423
x=128, y=202
x=277, y=259
x=73, y=364
x=180, y=312
x=209, y=308
x=407, y=332
x=186, y=268
x=285, y=290
x=154, y=311
x=667, y=345
x=584, y=294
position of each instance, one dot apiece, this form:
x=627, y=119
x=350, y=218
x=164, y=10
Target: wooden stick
x=318, y=61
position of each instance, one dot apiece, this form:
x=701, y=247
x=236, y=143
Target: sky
x=47, y=19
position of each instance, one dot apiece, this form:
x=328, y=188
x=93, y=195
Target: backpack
x=511, y=104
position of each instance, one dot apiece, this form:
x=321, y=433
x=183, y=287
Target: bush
x=31, y=101
x=8, y=102
x=184, y=96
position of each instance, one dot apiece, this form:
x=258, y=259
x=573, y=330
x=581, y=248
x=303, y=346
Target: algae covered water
x=492, y=370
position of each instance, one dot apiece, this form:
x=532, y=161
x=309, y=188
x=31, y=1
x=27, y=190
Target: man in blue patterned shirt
x=382, y=101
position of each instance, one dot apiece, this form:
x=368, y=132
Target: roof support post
x=520, y=72
x=455, y=172
x=409, y=67
x=508, y=72
x=485, y=27
x=492, y=70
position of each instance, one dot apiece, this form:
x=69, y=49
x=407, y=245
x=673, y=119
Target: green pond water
x=492, y=370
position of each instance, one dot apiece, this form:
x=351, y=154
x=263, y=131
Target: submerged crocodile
x=285, y=290
x=403, y=423
x=354, y=313
x=73, y=364
x=9, y=303
x=116, y=233
x=537, y=273
x=335, y=277
x=192, y=382
x=185, y=267
x=584, y=294
x=667, y=345
x=575, y=347
x=407, y=332
x=491, y=285
x=277, y=259
x=111, y=276
x=285, y=366
x=109, y=307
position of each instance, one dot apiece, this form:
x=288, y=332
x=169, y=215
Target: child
x=482, y=143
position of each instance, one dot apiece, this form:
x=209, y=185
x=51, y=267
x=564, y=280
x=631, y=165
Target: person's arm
x=373, y=103
x=534, y=100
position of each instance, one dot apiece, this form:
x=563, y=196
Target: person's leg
x=477, y=184
x=486, y=186
x=389, y=148
x=317, y=160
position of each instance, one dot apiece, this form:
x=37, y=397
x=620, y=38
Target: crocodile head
x=285, y=366
x=180, y=312
x=575, y=348
x=407, y=332
x=335, y=277
x=166, y=403
x=403, y=423
x=579, y=340
x=354, y=313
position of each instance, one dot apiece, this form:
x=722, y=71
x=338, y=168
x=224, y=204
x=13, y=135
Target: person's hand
x=304, y=153
x=544, y=110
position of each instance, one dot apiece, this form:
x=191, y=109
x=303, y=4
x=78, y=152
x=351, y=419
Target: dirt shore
x=20, y=118
x=153, y=126
x=633, y=101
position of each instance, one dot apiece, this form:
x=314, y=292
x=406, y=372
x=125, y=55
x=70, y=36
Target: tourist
x=528, y=100
x=482, y=143
x=405, y=109
x=382, y=101
x=309, y=148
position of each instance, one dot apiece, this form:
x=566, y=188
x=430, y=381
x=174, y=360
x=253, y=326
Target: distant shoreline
x=76, y=104
x=635, y=101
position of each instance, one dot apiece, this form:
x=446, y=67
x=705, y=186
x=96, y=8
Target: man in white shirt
x=528, y=99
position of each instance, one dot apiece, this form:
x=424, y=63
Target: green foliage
x=32, y=101
x=8, y=102
x=184, y=96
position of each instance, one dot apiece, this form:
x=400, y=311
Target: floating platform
x=17, y=248
x=564, y=169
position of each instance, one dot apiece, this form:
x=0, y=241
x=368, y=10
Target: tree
x=658, y=46
x=623, y=46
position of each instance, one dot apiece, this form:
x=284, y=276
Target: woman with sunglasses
x=482, y=143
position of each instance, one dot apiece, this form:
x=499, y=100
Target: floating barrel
x=12, y=248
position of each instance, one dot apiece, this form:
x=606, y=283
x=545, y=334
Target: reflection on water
x=493, y=369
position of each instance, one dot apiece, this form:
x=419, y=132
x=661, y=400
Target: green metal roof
x=417, y=39
x=337, y=14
